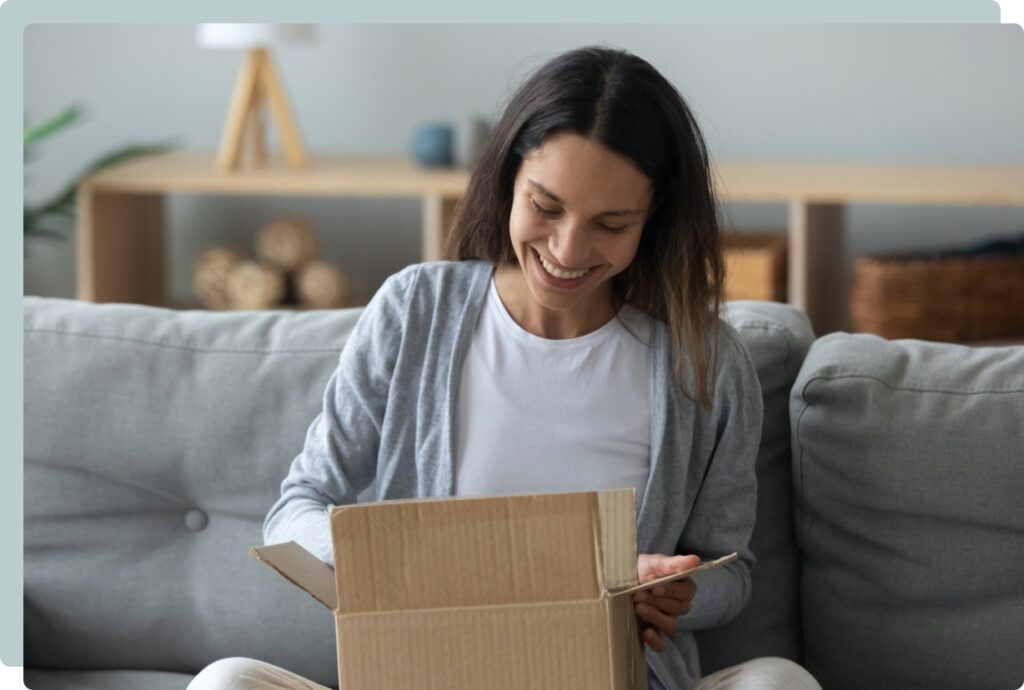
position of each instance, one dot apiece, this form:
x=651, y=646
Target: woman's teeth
x=558, y=273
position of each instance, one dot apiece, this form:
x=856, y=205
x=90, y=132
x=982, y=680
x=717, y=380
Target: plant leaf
x=67, y=197
x=56, y=123
x=124, y=154
x=49, y=234
x=62, y=206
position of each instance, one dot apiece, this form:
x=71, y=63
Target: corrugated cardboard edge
x=625, y=648
x=302, y=569
x=617, y=556
x=675, y=576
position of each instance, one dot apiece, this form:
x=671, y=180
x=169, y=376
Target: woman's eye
x=553, y=213
x=546, y=212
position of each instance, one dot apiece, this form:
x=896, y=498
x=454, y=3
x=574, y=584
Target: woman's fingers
x=660, y=607
x=664, y=622
x=675, y=606
x=654, y=565
x=655, y=640
x=672, y=597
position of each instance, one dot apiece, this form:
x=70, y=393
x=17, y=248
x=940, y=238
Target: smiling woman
x=629, y=157
x=573, y=344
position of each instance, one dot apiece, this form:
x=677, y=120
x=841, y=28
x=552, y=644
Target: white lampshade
x=253, y=35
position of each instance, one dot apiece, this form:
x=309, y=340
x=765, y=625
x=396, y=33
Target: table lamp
x=257, y=85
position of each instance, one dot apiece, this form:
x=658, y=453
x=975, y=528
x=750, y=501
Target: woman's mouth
x=556, y=276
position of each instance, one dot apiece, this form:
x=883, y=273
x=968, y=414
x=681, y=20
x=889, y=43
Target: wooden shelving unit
x=120, y=228
x=121, y=210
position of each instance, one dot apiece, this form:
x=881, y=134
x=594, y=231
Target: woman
x=573, y=344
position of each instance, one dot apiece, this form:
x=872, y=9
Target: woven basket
x=755, y=266
x=945, y=299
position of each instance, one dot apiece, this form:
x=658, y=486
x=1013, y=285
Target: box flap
x=302, y=569
x=435, y=553
x=618, y=537
x=708, y=565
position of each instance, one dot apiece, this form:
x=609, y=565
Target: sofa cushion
x=909, y=470
x=155, y=441
x=777, y=337
x=105, y=680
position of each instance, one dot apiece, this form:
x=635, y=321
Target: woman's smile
x=559, y=277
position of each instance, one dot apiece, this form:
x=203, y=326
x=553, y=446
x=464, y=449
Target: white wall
x=899, y=93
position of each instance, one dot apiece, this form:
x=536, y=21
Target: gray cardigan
x=389, y=415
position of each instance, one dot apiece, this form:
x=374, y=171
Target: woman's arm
x=722, y=519
x=339, y=457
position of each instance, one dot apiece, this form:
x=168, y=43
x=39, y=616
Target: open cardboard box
x=528, y=591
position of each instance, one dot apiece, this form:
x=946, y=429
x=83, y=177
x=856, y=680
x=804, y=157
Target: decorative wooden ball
x=286, y=243
x=320, y=285
x=253, y=285
x=210, y=276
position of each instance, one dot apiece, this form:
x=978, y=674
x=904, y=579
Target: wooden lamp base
x=257, y=85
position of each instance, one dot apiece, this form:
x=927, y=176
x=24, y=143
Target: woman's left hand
x=661, y=607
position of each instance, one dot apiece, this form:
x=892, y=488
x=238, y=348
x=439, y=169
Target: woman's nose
x=569, y=245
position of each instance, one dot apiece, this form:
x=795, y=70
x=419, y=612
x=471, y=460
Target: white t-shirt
x=538, y=415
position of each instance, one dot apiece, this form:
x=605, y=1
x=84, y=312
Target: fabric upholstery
x=155, y=442
x=36, y=679
x=908, y=468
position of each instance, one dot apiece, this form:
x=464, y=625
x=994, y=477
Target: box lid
x=682, y=574
x=404, y=555
x=301, y=568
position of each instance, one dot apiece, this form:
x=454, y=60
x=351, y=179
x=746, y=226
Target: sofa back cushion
x=155, y=442
x=777, y=337
x=908, y=472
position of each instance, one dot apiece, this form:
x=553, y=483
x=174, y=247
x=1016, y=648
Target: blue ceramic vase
x=432, y=145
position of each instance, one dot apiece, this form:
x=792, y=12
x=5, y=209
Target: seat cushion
x=155, y=442
x=777, y=337
x=39, y=679
x=908, y=471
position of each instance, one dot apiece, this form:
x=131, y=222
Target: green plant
x=40, y=220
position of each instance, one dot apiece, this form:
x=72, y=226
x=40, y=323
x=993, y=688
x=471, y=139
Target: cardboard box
x=514, y=592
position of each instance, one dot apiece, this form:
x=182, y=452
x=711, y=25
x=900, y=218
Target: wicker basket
x=945, y=299
x=755, y=266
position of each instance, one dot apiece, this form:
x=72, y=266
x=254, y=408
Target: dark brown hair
x=618, y=99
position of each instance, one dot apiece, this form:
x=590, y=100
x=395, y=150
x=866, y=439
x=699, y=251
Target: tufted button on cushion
x=195, y=519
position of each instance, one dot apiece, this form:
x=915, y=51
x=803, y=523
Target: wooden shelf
x=120, y=228
x=835, y=183
x=383, y=175
x=352, y=175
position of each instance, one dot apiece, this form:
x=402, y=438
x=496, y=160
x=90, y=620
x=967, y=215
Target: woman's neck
x=593, y=312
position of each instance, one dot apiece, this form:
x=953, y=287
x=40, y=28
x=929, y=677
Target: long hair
x=619, y=100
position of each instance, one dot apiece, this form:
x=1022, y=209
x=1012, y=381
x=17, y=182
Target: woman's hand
x=659, y=608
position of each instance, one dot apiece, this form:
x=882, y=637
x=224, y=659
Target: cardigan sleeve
x=339, y=457
x=723, y=514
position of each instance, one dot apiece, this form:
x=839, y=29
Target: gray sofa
x=890, y=527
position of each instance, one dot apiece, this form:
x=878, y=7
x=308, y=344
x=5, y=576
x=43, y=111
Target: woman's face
x=577, y=212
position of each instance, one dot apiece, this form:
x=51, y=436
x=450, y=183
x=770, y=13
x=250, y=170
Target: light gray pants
x=239, y=673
